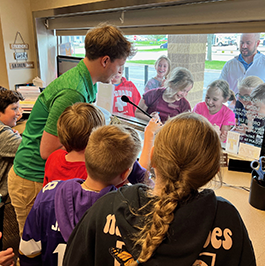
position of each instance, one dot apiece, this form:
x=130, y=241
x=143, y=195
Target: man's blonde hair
x=111, y=150
x=76, y=123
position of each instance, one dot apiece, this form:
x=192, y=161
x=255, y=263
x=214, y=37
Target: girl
x=245, y=88
x=162, y=66
x=168, y=101
x=220, y=116
x=177, y=223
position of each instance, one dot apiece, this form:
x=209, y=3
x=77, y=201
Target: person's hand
x=163, y=82
x=7, y=256
x=242, y=128
x=153, y=126
x=223, y=136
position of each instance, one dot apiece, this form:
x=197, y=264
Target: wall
x=16, y=16
x=3, y=76
x=37, y=5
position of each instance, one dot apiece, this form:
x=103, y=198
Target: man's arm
x=49, y=143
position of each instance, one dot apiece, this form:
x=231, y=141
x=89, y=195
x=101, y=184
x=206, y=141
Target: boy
x=9, y=141
x=106, y=51
x=73, y=127
x=109, y=157
x=124, y=87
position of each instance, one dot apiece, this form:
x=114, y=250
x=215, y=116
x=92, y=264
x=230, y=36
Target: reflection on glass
x=238, y=59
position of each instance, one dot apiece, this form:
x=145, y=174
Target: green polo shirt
x=73, y=86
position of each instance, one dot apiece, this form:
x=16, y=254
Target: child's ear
x=126, y=173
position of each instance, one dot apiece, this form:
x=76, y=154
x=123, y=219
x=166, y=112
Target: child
x=109, y=156
x=256, y=117
x=9, y=141
x=162, y=67
x=177, y=223
x=245, y=88
x=220, y=116
x=74, y=127
x=168, y=101
x=124, y=87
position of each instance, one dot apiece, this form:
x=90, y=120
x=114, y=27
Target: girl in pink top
x=213, y=108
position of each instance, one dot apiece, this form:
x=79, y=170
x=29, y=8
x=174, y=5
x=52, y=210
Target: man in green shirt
x=106, y=52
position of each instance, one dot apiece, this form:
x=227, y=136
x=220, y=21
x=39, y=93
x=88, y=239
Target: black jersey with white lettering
x=206, y=231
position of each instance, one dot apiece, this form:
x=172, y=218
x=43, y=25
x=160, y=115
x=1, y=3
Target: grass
x=215, y=65
x=142, y=62
x=152, y=50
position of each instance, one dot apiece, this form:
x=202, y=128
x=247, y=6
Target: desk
x=253, y=218
x=20, y=126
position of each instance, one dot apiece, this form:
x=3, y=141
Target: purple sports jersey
x=56, y=211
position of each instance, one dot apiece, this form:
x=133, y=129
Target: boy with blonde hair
x=110, y=155
x=73, y=127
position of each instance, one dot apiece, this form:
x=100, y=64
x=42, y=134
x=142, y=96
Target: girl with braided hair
x=176, y=223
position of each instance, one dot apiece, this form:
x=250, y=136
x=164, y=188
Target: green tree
x=157, y=38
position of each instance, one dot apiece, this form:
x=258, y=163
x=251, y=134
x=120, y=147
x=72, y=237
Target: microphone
x=124, y=98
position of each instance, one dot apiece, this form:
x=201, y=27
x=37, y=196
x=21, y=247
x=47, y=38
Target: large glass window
x=218, y=49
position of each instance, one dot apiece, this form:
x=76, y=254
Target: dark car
x=164, y=45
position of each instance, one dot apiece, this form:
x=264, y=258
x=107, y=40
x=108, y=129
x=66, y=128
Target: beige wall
x=16, y=16
x=3, y=76
x=38, y=5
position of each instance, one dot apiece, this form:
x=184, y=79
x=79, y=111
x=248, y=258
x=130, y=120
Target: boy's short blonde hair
x=76, y=123
x=249, y=83
x=111, y=150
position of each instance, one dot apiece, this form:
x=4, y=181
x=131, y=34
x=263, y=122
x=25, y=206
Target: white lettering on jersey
x=110, y=226
x=55, y=227
x=214, y=238
x=50, y=186
x=60, y=249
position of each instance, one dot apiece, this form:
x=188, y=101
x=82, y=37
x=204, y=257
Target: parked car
x=223, y=42
x=164, y=45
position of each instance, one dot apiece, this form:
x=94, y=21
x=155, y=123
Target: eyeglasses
x=245, y=98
